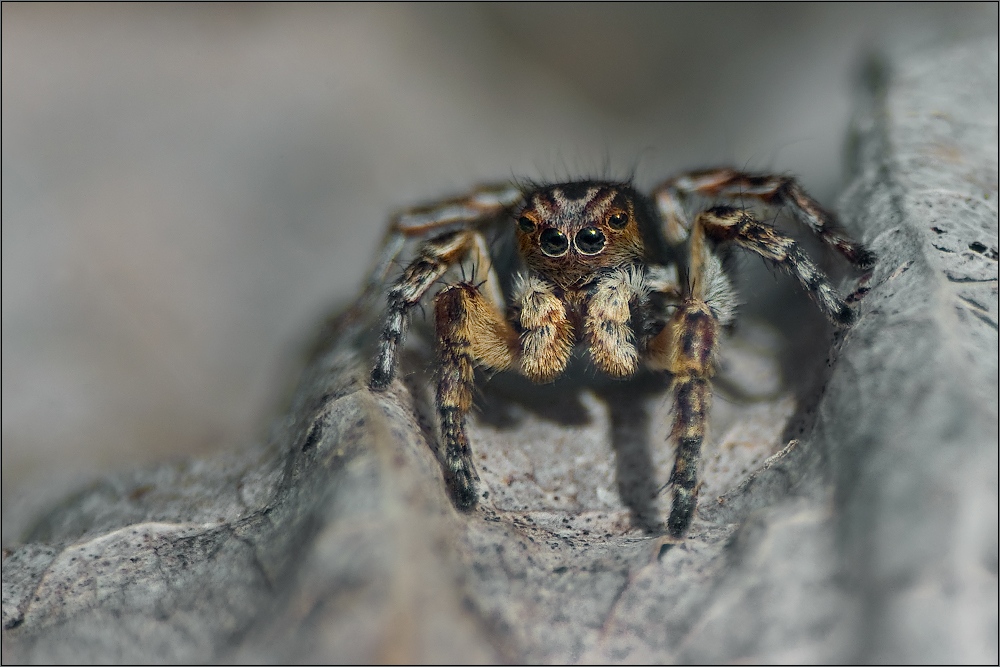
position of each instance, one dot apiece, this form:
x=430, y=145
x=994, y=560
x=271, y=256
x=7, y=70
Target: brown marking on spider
x=588, y=278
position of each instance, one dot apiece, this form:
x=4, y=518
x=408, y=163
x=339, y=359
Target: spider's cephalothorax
x=568, y=233
x=591, y=256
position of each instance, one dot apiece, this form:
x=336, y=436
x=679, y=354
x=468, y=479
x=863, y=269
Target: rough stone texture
x=913, y=446
x=872, y=537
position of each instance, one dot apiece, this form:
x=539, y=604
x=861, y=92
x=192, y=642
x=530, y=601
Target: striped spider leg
x=773, y=190
x=784, y=252
x=454, y=226
x=687, y=347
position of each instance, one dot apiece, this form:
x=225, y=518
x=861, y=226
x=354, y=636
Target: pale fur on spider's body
x=592, y=254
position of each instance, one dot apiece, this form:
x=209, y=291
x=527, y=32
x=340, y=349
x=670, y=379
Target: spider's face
x=567, y=232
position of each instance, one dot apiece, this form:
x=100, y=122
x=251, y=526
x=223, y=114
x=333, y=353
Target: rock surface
x=872, y=537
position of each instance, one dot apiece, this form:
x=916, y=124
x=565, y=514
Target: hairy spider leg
x=483, y=202
x=687, y=348
x=724, y=223
x=484, y=275
x=772, y=190
x=470, y=331
x=434, y=257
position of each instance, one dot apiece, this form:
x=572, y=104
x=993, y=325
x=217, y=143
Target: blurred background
x=188, y=189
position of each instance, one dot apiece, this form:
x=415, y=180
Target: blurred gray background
x=187, y=189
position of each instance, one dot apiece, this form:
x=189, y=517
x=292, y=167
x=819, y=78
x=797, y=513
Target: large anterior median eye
x=554, y=243
x=590, y=240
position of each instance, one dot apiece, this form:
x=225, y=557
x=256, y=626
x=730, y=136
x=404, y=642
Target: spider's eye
x=526, y=225
x=618, y=221
x=590, y=240
x=554, y=243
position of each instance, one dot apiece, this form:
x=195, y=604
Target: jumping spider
x=597, y=264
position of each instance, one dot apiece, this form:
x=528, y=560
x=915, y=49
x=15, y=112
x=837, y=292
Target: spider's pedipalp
x=609, y=332
x=547, y=337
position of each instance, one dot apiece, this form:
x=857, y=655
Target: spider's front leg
x=687, y=348
x=434, y=257
x=772, y=190
x=689, y=341
x=470, y=331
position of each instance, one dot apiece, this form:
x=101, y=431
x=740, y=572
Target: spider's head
x=569, y=231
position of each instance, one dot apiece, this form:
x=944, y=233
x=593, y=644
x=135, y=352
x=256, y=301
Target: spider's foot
x=864, y=258
x=462, y=482
x=846, y=316
x=380, y=379
x=682, y=511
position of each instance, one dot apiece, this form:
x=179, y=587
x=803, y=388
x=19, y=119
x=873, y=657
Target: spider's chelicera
x=627, y=276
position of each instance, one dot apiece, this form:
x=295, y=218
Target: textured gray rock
x=872, y=537
x=913, y=446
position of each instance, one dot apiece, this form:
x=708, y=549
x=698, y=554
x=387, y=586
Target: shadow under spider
x=502, y=400
x=629, y=415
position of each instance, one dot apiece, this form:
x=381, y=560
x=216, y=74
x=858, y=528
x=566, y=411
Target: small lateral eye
x=525, y=224
x=618, y=220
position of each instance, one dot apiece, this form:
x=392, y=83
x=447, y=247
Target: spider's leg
x=670, y=205
x=772, y=190
x=470, y=331
x=483, y=271
x=434, y=257
x=481, y=203
x=609, y=331
x=547, y=336
x=724, y=223
x=687, y=348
